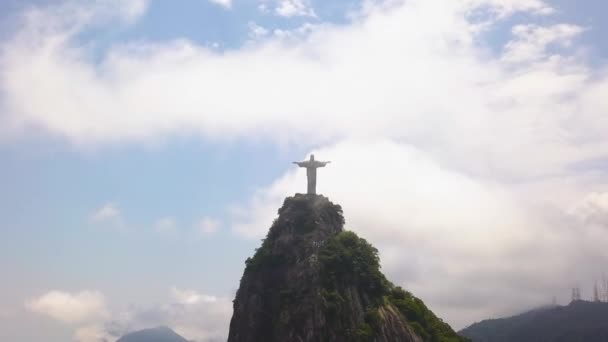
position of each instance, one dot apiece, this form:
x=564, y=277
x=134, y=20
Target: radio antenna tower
x=604, y=289
x=576, y=294
x=596, y=293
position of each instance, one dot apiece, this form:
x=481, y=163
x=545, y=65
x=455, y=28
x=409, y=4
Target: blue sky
x=125, y=129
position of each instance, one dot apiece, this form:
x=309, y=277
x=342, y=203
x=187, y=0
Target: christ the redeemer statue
x=311, y=166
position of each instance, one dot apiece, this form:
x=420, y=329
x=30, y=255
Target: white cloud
x=109, y=215
x=223, y=3
x=420, y=61
x=72, y=16
x=208, y=225
x=506, y=8
x=531, y=41
x=287, y=8
x=93, y=333
x=166, y=225
x=593, y=209
x=295, y=33
x=190, y=297
x=70, y=308
x=107, y=212
x=200, y=317
x=196, y=316
x=291, y=8
x=256, y=31
x=131, y=9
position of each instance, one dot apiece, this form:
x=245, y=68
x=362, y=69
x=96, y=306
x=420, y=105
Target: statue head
x=312, y=157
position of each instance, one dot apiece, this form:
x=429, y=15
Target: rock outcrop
x=313, y=281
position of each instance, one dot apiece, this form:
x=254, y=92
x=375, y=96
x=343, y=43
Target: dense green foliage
x=262, y=256
x=423, y=321
x=349, y=259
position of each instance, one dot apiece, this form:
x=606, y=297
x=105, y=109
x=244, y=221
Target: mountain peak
x=308, y=214
x=158, y=334
x=313, y=281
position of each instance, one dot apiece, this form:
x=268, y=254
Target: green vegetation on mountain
x=312, y=281
x=430, y=327
x=348, y=259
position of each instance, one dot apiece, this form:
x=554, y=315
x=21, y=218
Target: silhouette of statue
x=311, y=166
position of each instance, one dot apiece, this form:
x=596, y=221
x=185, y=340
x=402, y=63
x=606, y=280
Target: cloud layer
x=194, y=315
x=223, y=3
x=197, y=316
x=417, y=71
x=70, y=308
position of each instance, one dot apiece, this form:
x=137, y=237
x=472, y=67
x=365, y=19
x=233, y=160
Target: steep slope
x=312, y=281
x=579, y=321
x=160, y=334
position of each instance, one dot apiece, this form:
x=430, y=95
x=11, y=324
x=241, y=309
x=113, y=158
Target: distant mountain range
x=580, y=321
x=160, y=334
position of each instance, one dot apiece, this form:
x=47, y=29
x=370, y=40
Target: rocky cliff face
x=312, y=281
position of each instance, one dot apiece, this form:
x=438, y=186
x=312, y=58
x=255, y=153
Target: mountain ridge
x=578, y=321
